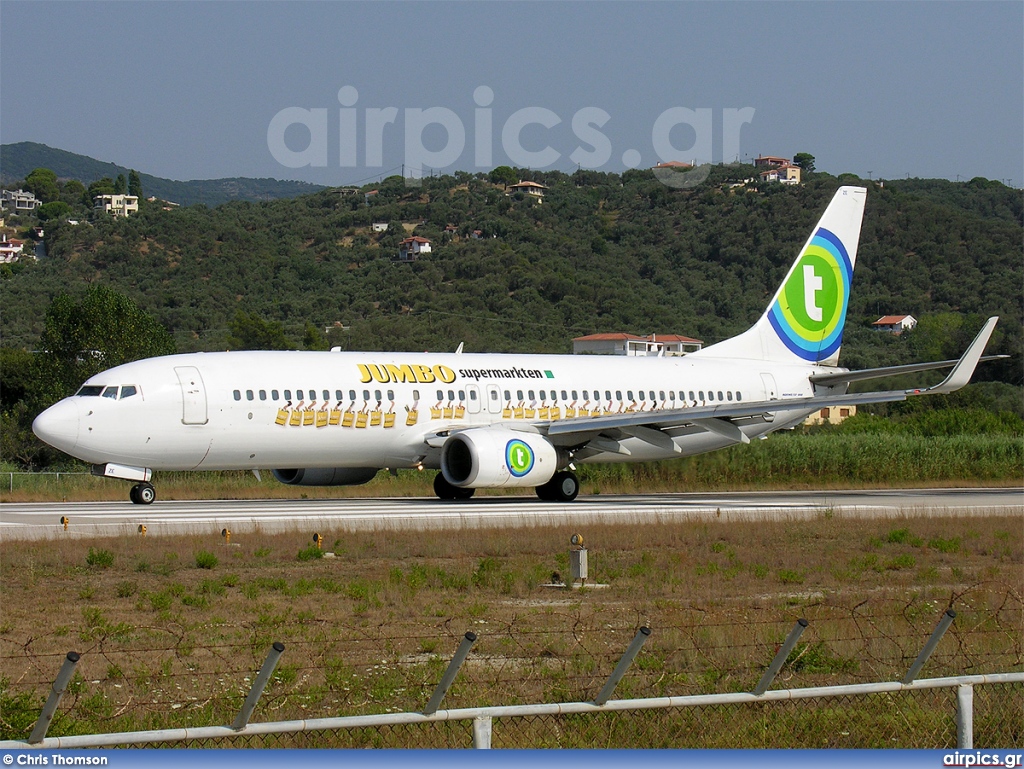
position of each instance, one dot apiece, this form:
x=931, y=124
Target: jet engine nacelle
x=489, y=457
x=326, y=476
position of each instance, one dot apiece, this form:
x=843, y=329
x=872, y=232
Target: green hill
x=602, y=252
x=19, y=160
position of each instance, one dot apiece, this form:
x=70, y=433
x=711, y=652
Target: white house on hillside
x=410, y=248
x=117, y=205
x=895, y=324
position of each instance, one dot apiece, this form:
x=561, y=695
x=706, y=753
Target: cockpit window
x=110, y=392
x=90, y=390
x=128, y=391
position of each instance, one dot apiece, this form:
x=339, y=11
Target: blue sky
x=190, y=90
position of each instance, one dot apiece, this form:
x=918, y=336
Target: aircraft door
x=493, y=399
x=771, y=392
x=473, y=394
x=193, y=395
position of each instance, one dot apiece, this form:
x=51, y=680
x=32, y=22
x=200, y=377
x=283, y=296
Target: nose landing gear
x=142, y=494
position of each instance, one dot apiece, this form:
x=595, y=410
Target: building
x=677, y=164
x=831, y=416
x=19, y=201
x=787, y=174
x=379, y=226
x=116, y=205
x=410, y=248
x=895, y=324
x=633, y=345
x=530, y=188
x=771, y=161
x=10, y=250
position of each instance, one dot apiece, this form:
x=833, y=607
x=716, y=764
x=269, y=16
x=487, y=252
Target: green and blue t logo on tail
x=810, y=310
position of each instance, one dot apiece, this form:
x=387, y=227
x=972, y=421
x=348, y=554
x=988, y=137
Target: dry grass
x=171, y=629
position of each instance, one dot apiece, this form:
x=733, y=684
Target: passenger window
x=287, y=395
x=701, y=394
x=128, y=391
x=585, y=396
x=327, y=395
x=472, y=395
x=376, y=395
x=494, y=395
x=661, y=395
x=651, y=393
x=519, y=394
x=451, y=395
x=90, y=390
x=532, y=396
x=672, y=395
x=629, y=395
x=691, y=396
x=238, y=395
x=729, y=395
x=298, y=395
x=739, y=396
x=415, y=395
x=462, y=395
x=440, y=395
x=263, y=395
x=274, y=395
x=711, y=395
x=720, y=396
x=110, y=392
x=565, y=398
x=352, y=395
x=508, y=395
x=618, y=395
x=366, y=395
x=391, y=395
x=338, y=395
x=249, y=395
x=574, y=396
x=607, y=395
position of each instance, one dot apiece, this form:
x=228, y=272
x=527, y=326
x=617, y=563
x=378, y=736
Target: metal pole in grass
x=449, y=675
x=620, y=670
x=965, y=716
x=780, y=657
x=929, y=647
x=482, y=732
x=56, y=692
x=258, y=686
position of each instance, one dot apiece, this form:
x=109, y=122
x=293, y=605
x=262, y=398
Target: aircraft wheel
x=563, y=487
x=142, y=494
x=445, y=490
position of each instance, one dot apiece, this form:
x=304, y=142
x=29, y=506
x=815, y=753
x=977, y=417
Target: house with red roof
x=895, y=324
x=410, y=248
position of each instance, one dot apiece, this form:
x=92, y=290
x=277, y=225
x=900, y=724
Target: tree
x=504, y=175
x=135, y=184
x=250, y=332
x=103, y=330
x=104, y=186
x=42, y=183
x=120, y=185
x=53, y=210
x=805, y=161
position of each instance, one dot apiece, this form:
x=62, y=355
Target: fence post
x=482, y=732
x=780, y=657
x=449, y=675
x=620, y=670
x=929, y=647
x=965, y=716
x=56, y=692
x=258, y=686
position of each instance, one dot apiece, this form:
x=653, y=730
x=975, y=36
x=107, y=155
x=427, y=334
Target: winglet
x=964, y=369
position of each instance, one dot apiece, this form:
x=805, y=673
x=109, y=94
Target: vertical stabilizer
x=804, y=322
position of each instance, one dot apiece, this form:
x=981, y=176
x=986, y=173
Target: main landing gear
x=564, y=486
x=446, y=491
x=142, y=494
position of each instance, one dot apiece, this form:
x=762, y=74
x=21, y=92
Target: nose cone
x=58, y=425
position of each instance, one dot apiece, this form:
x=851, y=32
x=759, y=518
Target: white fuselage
x=267, y=410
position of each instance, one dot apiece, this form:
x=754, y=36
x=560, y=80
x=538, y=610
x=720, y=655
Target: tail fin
x=804, y=322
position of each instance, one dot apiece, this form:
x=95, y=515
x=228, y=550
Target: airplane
x=486, y=420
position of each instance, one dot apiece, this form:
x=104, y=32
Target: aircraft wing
x=601, y=433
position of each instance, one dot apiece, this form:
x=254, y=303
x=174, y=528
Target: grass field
x=172, y=629
x=789, y=461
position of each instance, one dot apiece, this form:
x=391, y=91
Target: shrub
x=310, y=553
x=206, y=560
x=102, y=559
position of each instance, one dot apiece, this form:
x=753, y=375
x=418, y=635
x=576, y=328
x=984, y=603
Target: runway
x=113, y=519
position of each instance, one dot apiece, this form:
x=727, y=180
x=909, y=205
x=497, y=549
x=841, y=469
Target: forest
x=600, y=252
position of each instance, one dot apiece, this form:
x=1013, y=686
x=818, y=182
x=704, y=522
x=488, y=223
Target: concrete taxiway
x=111, y=519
